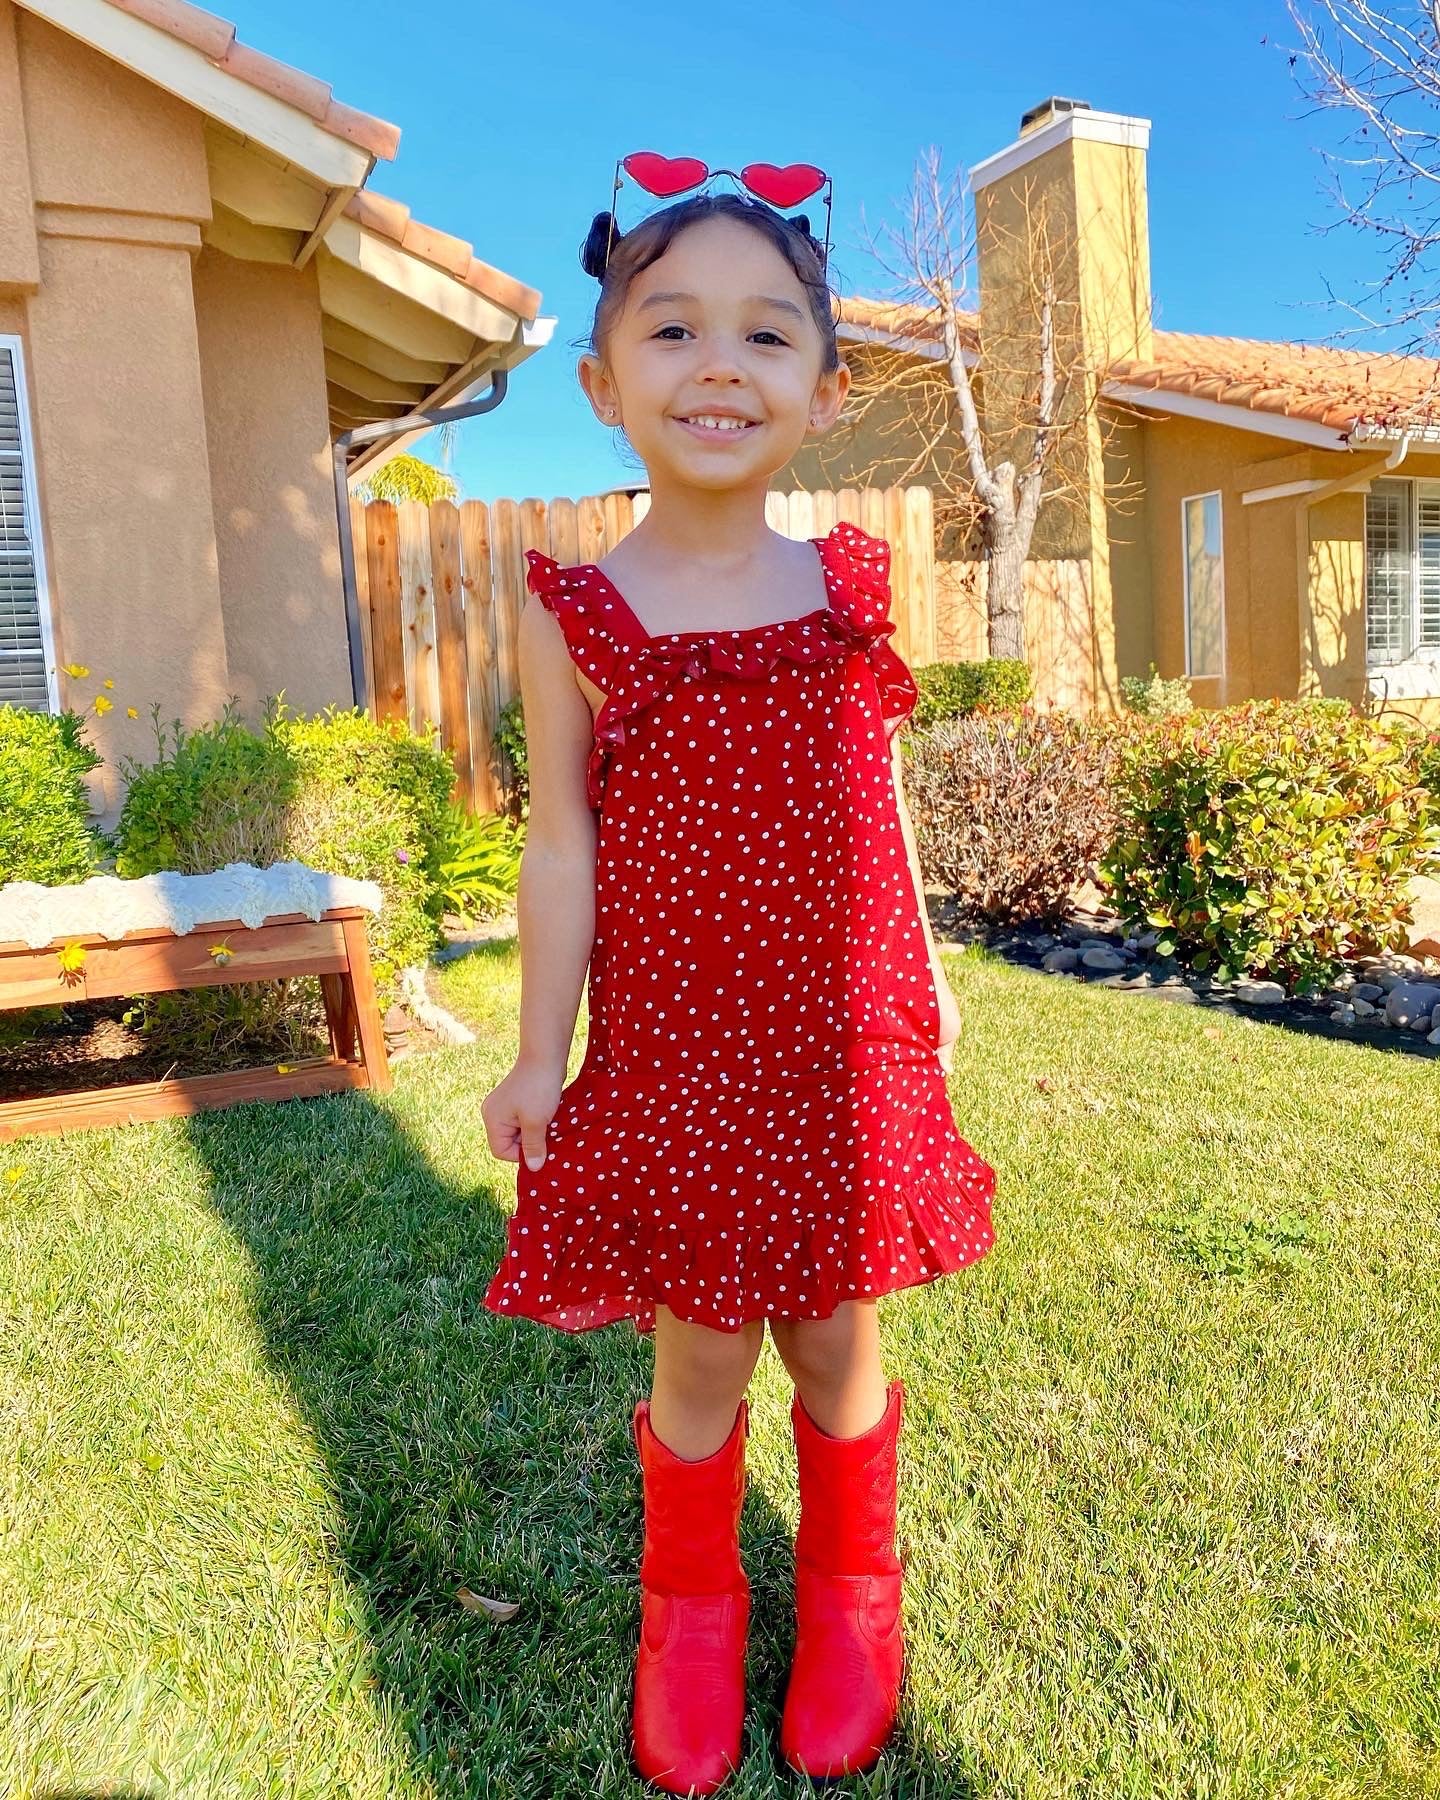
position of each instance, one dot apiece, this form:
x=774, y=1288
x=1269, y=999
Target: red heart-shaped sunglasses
x=666, y=176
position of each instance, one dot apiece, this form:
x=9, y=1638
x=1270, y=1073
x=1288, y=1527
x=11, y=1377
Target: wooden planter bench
x=159, y=961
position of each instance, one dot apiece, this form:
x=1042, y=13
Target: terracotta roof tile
x=215, y=39
x=1342, y=389
x=901, y=319
x=390, y=219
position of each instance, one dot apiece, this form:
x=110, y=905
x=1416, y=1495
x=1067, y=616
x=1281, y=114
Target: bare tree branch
x=1381, y=68
x=998, y=405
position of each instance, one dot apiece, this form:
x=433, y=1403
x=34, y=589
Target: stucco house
x=197, y=296
x=1262, y=517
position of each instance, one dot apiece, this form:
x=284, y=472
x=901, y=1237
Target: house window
x=1204, y=586
x=1402, y=569
x=25, y=648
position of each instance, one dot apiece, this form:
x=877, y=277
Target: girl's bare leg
x=835, y=1365
x=700, y=1379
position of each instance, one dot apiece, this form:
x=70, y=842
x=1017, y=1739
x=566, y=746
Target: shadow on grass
x=469, y=1449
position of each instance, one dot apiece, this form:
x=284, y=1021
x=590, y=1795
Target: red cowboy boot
x=694, y=1612
x=849, y=1660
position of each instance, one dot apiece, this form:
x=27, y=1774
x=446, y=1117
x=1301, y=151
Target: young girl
x=760, y=1128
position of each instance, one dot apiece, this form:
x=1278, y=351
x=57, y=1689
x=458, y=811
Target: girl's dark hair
x=653, y=236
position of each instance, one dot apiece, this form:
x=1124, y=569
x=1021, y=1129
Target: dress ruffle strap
x=869, y=564
x=597, y=633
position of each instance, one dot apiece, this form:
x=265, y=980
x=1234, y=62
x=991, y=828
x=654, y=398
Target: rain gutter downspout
x=1342, y=484
x=374, y=434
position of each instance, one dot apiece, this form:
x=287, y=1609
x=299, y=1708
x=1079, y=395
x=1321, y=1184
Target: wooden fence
x=441, y=589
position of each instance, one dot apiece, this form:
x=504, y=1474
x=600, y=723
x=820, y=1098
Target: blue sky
x=511, y=123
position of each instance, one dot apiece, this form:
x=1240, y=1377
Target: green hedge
x=950, y=690
x=339, y=790
x=1272, y=838
x=45, y=829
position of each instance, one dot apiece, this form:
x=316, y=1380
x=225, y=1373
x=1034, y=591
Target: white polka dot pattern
x=760, y=1126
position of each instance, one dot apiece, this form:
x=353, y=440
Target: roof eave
x=463, y=385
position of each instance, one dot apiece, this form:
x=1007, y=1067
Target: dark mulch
x=62, y=1049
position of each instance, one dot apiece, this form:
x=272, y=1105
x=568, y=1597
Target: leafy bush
x=1429, y=755
x=340, y=791
x=1272, y=838
x=476, y=863
x=1011, y=809
x=1430, y=765
x=949, y=690
x=369, y=800
x=1154, y=695
x=45, y=829
x=509, y=739
x=215, y=795
x=408, y=478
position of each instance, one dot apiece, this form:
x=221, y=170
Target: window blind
x=22, y=649
x=1427, y=568
x=1387, y=572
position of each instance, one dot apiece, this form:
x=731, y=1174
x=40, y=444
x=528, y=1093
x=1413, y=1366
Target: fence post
x=450, y=644
x=382, y=555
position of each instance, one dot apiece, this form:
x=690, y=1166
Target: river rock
x=1260, y=993
x=1408, y=1001
x=1103, y=959
x=1061, y=962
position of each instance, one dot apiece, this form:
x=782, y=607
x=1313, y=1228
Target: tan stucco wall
x=263, y=372
x=178, y=408
x=1285, y=635
x=119, y=187
x=19, y=256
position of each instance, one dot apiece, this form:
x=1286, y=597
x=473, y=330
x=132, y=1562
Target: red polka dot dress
x=760, y=1126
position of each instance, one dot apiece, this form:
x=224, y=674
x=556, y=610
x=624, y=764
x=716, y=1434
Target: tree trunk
x=1005, y=596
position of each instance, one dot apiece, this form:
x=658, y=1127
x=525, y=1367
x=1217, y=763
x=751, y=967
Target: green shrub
x=1426, y=740
x=1272, y=838
x=1154, y=695
x=45, y=829
x=1429, y=753
x=369, y=800
x=477, y=864
x=1011, y=809
x=949, y=690
x=509, y=739
x=341, y=791
x=215, y=795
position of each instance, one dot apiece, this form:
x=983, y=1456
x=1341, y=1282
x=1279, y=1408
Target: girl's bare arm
x=555, y=905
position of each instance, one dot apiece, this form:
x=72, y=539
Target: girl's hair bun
x=801, y=223
x=604, y=229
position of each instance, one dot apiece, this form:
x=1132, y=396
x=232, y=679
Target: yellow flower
x=109, y=684
x=77, y=671
x=130, y=713
x=102, y=705
x=221, y=953
x=13, y=1175
x=71, y=957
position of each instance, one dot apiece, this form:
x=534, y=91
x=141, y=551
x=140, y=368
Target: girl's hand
x=950, y=1023
x=518, y=1110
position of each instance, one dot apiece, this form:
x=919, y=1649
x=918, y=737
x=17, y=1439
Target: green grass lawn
x=1170, y=1477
